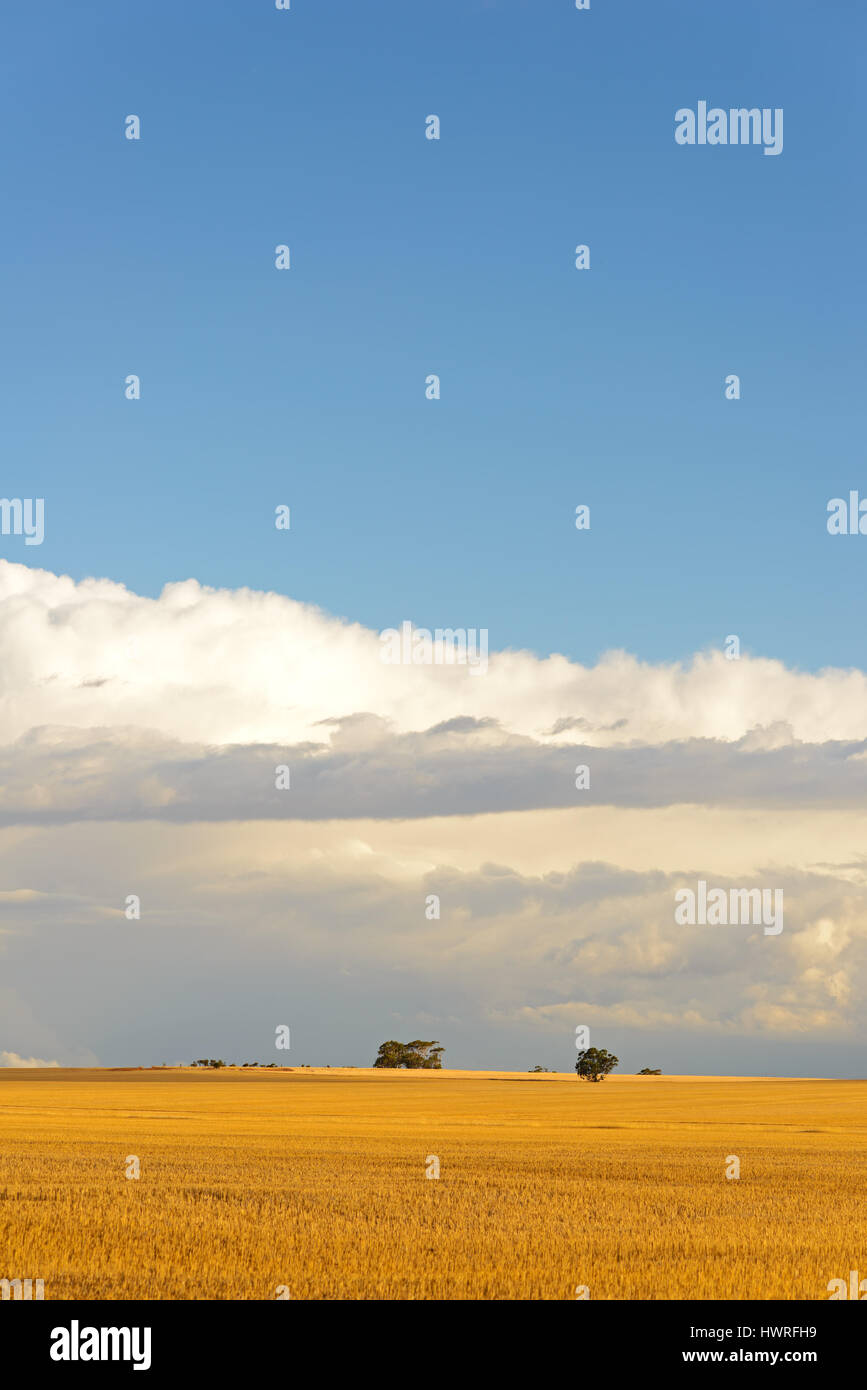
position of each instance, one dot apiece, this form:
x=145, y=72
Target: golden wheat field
x=316, y=1181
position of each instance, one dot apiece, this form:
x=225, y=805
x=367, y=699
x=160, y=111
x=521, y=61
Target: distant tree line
x=593, y=1063
x=215, y=1063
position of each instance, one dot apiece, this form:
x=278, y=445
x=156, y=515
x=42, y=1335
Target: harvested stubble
x=315, y=1180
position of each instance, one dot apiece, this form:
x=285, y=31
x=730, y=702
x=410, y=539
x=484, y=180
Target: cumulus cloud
x=183, y=707
x=11, y=1059
x=230, y=667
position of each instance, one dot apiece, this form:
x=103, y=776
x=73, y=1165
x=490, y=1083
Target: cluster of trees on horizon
x=593, y=1063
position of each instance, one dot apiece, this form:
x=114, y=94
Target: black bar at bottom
x=153, y=1338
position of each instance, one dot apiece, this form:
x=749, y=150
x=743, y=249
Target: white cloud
x=220, y=666
x=11, y=1059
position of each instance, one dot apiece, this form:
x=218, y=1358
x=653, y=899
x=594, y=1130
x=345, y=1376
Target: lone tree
x=594, y=1063
x=414, y=1056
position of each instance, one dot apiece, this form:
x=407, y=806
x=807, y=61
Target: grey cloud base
x=55, y=775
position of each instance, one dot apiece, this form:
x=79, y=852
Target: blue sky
x=453, y=257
